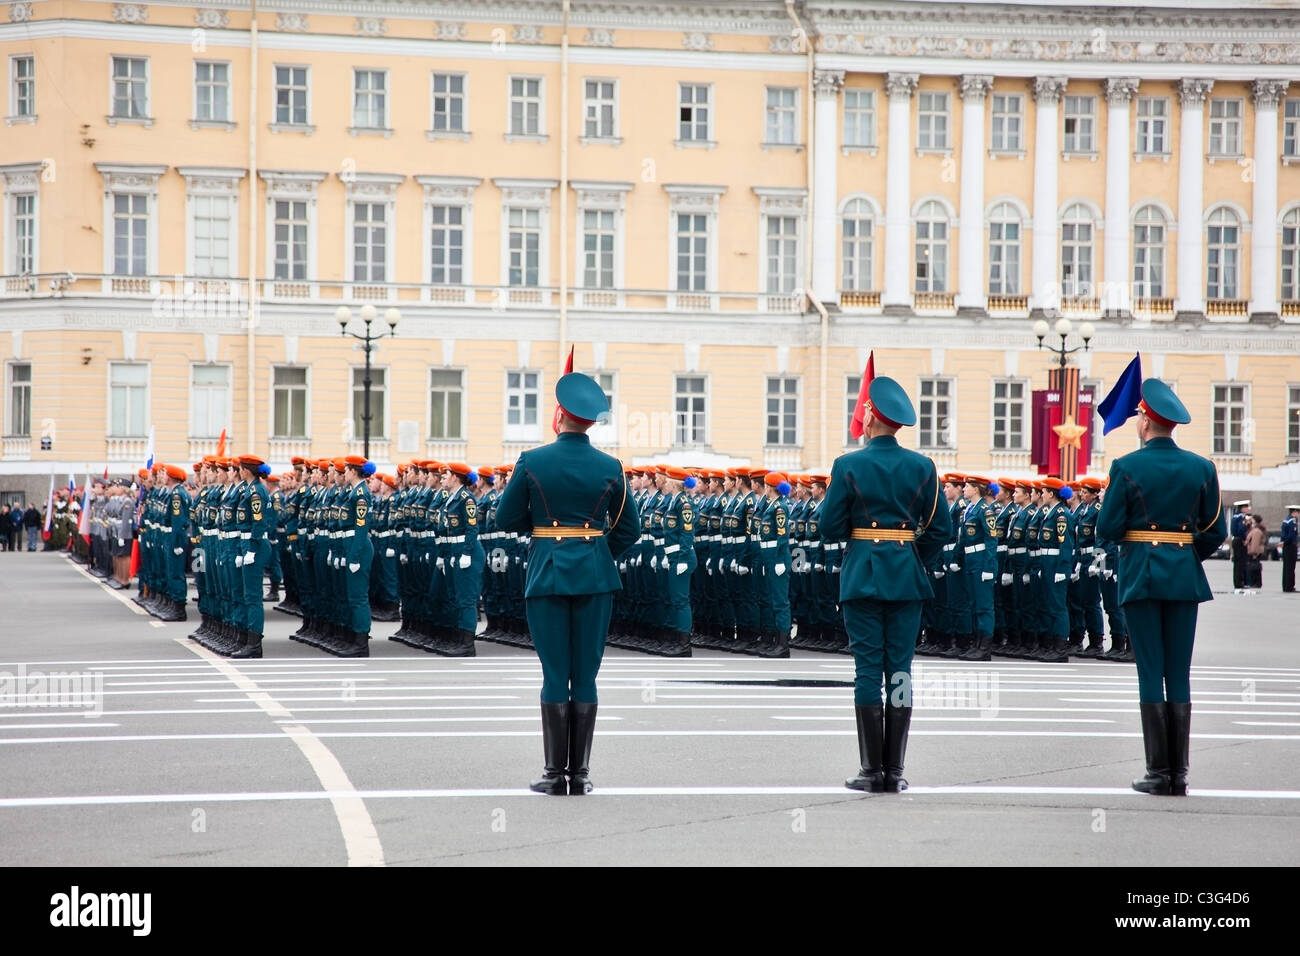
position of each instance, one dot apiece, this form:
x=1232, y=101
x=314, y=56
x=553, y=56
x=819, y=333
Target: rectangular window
x=130, y=235
x=212, y=92
x=449, y=102
x=782, y=113
x=1293, y=421
x=130, y=87
x=932, y=120
x=291, y=95
x=931, y=255
x=128, y=400
x=692, y=252
x=1225, y=127
x=18, y=422
x=446, y=399
x=369, y=242
x=288, y=402
x=690, y=403
x=291, y=229
x=209, y=400
x=599, y=109
x=598, y=249
x=781, y=254
x=1291, y=128
x=852, y=385
x=859, y=117
x=526, y=105
x=525, y=244
x=1004, y=257
x=1152, y=124
x=1008, y=416
x=694, y=112
x=370, y=99
x=783, y=411
x=1008, y=122
x=24, y=237
x=1230, y=420
x=1291, y=258
x=212, y=228
x=935, y=411
x=378, y=401
x=523, y=398
x=447, y=245
x=1080, y=124
x=22, y=91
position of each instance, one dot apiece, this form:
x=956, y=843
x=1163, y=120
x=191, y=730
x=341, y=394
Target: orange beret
x=677, y=474
x=1053, y=484
x=774, y=478
x=1090, y=484
x=176, y=471
x=143, y=472
x=389, y=480
x=821, y=479
x=356, y=461
x=273, y=478
x=251, y=461
x=457, y=468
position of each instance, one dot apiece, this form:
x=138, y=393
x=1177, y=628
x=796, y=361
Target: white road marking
x=87, y=724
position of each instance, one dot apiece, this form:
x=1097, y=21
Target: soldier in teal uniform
x=773, y=566
x=885, y=500
x=977, y=535
x=462, y=561
x=173, y=535
x=1162, y=505
x=1055, y=561
x=573, y=501
x=1089, y=568
x=678, y=562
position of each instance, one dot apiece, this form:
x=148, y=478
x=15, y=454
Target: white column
x=1263, y=212
x=826, y=92
x=898, y=192
x=1045, y=291
x=970, y=239
x=1116, y=297
x=1191, y=202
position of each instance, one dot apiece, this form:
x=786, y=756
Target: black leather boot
x=1155, y=740
x=1180, y=738
x=980, y=650
x=897, y=722
x=871, y=742
x=251, y=648
x=555, y=751
x=582, y=728
x=272, y=593
x=776, y=645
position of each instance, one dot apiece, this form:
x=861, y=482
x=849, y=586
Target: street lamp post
x=1064, y=379
x=343, y=315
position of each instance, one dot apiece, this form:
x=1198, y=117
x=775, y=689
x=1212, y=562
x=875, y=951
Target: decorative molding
x=598, y=194
x=21, y=177
x=828, y=82
x=901, y=85
x=1049, y=89
x=525, y=192
x=1194, y=92
x=370, y=26
x=599, y=36
x=697, y=41
x=130, y=13
x=778, y=200
x=450, y=30
x=974, y=87
x=527, y=33
x=1268, y=93
x=291, y=22
x=20, y=12
x=448, y=351
x=130, y=177
x=223, y=180
x=448, y=188
x=689, y=197
x=211, y=18
x=293, y=184
x=1121, y=90
x=371, y=185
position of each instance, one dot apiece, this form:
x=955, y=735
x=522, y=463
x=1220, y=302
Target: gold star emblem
x=1069, y=432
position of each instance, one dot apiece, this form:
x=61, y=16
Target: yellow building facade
x=724, y=208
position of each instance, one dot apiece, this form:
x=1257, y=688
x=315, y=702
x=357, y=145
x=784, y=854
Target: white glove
x=954, y=568
x=1058, y=578
x=622, y=565
x=354, y=568
x=1074, y=575
x=121, y=542
x=708, y=565
x=178, y=550
x=986, y=575
x=939, y=574
x=1093, y=570
x=836, y=569
x=682, y=568
x=250, y=557
x=734, y=566
x=1024, y=579
x=1108, y=574
x=438, y=564
x=329, y=556
x=1006, y=580
x=710, y=570
x=404, y=559
x=741, y=569
x=819, y=567
x=239, y=560
x=779, y=569
x=390, y=553
x=465, y=561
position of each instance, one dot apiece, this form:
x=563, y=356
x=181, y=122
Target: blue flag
x=1121, y=402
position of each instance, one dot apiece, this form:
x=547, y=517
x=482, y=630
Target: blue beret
x=994, y=488
x=689, y=482
x=263, y=470
x=783, y=488
x=368, y=469
x=487, y=476
x=1065, y=493
x=1160, y=402
x=472, y=476
x=582, y=398
x=888, y=402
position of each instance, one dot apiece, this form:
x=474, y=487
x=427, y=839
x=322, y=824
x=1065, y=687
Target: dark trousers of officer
x=569, y=633
x=177, y=588
x=463, y=588
x=882, y=636
x=1238, y=563
x=251, y=573
x=979, y=588
x=357, y=570
x=1288, y=566
x=1162, y=633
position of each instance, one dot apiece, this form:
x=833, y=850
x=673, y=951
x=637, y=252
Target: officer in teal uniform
x=1055, y=561
x=886, y=501
x=1162, y=505
x=573, y=500
x=679, y=562
x=978, y=542
x=251, y=549
x=174, y=534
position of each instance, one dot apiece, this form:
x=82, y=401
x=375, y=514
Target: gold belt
x=557, y=532
x=1159, y=537
x=883, y=534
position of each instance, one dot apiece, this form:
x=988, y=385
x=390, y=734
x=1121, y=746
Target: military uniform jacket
x=570, y=484
x=1005, y=516
x=773, y=520
x=1289, y=533
x=978, y=538
x=354, y=521
x=178, y=513
x=679, y=530
x=1055, y=542
x=1163, y=488
x=891, y=488
x=460, y=525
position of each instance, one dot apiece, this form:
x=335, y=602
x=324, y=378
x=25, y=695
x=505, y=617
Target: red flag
x=221, y=444
x=135, y=559
x=568, y=367
x=106, y=471
x=859, y=424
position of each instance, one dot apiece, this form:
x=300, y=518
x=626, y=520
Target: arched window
x=1291, y=255
x=1222, y=254
x=857, y=232
x=1076, y=252
x=1149, y=229
x=1004, y=250
x=932, y=248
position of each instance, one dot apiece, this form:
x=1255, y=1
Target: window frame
x=848, y=213
x=273, y=221
x=511, y=134
x=215, y=432
x=384, y=94
x=354, y=406
x=146, y=118
x=616, y=252
x=16, y=115
x=852, y=387
x=1221, y=443
x=11, y=406
x=1289, y=222
x=306, y=403
x=431, y=389
x=932, y=113
x=1079, y=142
x=793, y=279
x=614, y=135
x=859, y=111
x=709, y=109
x=1016, y=219
x=1291, y=128
x=113, y=365
x=782, y=397
x=1144, y=285
x=290, y=125
x=1006, y=148
x=1144, y=140
x=1237, y=123
x=11, y=220
x=1075, y=287
x=1234, y=249
x=1292, y=421
x=223, y=122
x=780, y=113
x=463, y=132
x=944, y=220
x=523, y=431
x=465, y=226
x=350, y=253
x=1025, y=417
x=937, y=429
x=704, y=397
